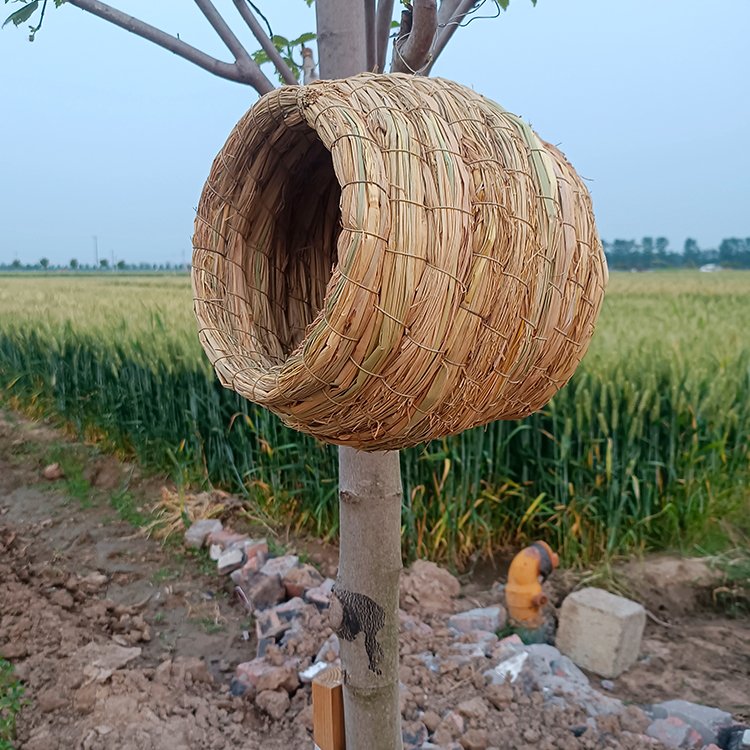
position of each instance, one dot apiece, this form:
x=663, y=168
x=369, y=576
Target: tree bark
x=370, y=493
x=383, y=31
x=367, y=588
x=342, y=47
x=265, y=42
x=412, y=53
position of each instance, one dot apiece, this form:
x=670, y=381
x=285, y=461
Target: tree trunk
x=367, y=588
x=369, y=500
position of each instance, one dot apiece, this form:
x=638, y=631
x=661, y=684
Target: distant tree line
x=622, y=255
x=104, y=265
x=650, y=254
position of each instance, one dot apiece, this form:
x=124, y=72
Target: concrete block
x=600, y=631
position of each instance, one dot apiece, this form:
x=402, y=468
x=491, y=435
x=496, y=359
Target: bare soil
x=80, y=588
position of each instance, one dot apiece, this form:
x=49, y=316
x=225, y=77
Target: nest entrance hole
x=290, y=247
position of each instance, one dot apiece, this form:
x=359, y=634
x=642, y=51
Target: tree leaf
x=308, y=37
x=261, y=57
x=280, y=41
x=22, y=14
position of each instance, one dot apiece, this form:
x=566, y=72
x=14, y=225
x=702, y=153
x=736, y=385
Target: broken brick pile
x=461, y=687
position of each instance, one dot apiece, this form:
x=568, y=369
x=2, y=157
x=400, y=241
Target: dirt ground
x=122, y=642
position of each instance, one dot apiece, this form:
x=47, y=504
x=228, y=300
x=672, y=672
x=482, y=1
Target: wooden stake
x=328, y=710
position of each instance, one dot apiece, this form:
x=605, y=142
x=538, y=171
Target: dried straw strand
x=389, y=259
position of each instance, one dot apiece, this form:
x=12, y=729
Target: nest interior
x=385, y=260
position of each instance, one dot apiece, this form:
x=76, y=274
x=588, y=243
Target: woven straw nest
x=389, y=259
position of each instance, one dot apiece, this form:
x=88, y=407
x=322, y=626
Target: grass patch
x=73, y=460
x=128, y=509
x=164, y=574
x=11, y=702
x=734, y=596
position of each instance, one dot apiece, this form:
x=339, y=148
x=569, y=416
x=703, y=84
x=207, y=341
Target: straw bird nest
x=389, y=259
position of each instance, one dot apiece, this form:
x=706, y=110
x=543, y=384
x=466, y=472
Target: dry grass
x=467, y=270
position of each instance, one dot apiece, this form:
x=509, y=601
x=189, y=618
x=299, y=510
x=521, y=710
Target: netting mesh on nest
x=389, y=259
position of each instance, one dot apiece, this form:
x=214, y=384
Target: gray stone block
x=600, y=631
x=705, y=720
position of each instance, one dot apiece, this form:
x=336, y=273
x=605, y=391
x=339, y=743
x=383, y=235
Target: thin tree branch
x=411, y=54
x=383, y=32
x=265, y=42
x=247, y=72
x=451, y=24
x=370, y=35
x=222, y=29
x=447, y=11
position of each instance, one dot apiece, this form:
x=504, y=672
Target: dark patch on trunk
x=361, y=615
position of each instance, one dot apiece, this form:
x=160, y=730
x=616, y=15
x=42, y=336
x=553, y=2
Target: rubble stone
x=320, y=596
x=332, y=644
x=487, y=619
x=475, y=739
x=306, y=717
x=231, y=559
x=428, y=587
x=705, y=720
x=53, y=472
x=300, y=579
x=198, y=533
x=253, y=670
x=262, y=591
x=500, y=696
x=671, y=732
x=63, y=599
x=274, y=702
x=279, y=566
x=475, y=708
x=633, y=719
x=279, y=678
x=414, y=735
x=431, y=720
x=600, y=631
x=51, y=700
x=225, y=538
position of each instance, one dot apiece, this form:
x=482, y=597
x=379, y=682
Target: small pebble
x=608, y=684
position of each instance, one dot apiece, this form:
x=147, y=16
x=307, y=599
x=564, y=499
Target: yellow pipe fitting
x=523, y=593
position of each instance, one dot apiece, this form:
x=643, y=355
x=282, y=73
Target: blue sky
x=105, y=134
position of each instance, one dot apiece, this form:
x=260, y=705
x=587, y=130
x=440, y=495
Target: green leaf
x=308, y=37
x=504, y=3
x=21, y=15
x=261, y=57
x=395, y=25
x=280, y=41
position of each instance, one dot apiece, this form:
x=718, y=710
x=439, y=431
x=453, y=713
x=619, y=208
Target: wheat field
x=646, y=448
